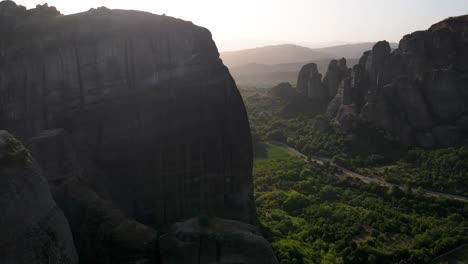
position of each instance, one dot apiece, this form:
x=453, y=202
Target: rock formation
x=322, y=92
x=136, y=122
x=309, y=82
x=295, y=101
x=205, y=240
x=137, y=93
x=102, y=232
x=32, y=228
x=418, y=92
x=337, y=70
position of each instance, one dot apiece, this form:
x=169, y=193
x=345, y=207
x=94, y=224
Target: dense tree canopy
x=314, y=216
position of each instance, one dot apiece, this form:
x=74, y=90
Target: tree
x=331, y=257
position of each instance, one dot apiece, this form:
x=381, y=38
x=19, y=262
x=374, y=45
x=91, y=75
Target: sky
x=240, y=24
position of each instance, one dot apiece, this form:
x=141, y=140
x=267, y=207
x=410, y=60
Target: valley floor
x=314, y=215
x=366, y=179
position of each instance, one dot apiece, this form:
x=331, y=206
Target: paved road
x=449, y=256
x=363, y=178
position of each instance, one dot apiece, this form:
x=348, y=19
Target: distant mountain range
x=269, y=65
x=279, y=54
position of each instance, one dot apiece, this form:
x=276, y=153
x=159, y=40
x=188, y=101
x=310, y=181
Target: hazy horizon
x=311, y=23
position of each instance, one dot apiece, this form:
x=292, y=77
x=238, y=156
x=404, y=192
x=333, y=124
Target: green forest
x=313, y=214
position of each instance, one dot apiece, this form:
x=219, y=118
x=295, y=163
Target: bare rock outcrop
x=214, y=240
x=309, y=82
x=327, y=93
x=33, y=229
x=145, y=98
x=337, y=71
x=418, y=92
x=104, y=234
x=137, y=124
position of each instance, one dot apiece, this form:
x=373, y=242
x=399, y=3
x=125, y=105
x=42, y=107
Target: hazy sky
x=237, y=24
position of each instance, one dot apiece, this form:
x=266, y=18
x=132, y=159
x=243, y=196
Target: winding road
x=365, y=179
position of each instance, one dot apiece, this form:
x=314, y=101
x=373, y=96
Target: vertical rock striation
x=145, y=98
x=137, y=125
x=337, y=70
x=323, y=91
x=309, y=82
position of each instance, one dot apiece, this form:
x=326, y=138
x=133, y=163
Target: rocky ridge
x=417, y=92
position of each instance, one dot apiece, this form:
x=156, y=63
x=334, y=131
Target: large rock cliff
x=418, y=92
x=144, y=97
x=136, y=123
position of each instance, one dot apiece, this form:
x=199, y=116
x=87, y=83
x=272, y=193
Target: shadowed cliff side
x=140, y=129
x=32, y=228
x=144, y=97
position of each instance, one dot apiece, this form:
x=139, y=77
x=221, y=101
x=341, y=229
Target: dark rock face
x=309, y=82
x=203, y=240
x=336, y=72
x=102, y=233
x=327, y=92
x=32, y=228
x=137, y=125
x=418, y=92
x=145, y=99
